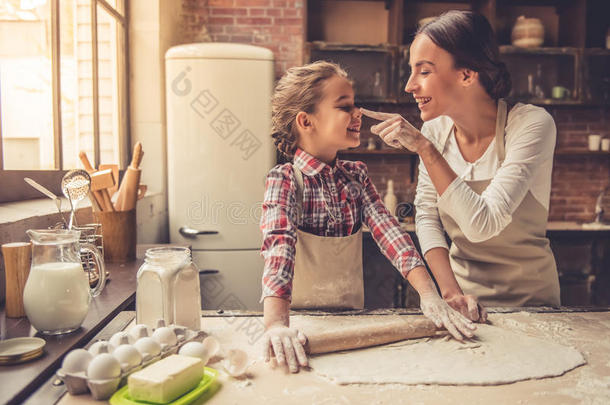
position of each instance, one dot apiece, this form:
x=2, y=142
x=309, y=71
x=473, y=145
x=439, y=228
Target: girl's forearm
x=276, y=312
x=421, y=281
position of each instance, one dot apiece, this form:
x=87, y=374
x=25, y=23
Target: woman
x=484, y=174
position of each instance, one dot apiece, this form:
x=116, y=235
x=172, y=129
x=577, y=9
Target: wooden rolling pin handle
x=85, y=161
x=138, y=153
x=99, y=197
x=356, y=337
x=107, y=201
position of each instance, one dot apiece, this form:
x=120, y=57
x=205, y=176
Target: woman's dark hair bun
x=502, y=82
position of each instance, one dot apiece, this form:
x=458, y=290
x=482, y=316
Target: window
x=63, y=89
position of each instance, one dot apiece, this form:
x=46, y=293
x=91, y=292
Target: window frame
x=12, y=186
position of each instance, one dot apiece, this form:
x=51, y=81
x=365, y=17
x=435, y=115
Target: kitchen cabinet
x=583, y=264
x=379, y=63
x=596, y=76
x=582, y=256
x=372, y=68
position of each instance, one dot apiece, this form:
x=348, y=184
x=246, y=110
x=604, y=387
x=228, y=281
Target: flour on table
x=497, y=356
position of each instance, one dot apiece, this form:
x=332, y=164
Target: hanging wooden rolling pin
x=128, y=190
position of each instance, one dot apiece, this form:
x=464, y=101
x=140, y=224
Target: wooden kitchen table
x=33, y=379
x=586, y=329
x=20, y=380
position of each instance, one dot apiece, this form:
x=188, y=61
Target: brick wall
x=280, y=26
x=578, y=180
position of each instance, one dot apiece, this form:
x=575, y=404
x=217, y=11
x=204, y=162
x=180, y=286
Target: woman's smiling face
x=434, y=80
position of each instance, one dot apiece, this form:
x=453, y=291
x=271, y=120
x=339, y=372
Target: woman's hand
x=435, y=308
x=439, y=312
x=396, y=131
x=469, y=306
x=287, y=344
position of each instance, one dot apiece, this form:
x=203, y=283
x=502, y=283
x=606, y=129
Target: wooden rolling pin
x=359, y=336
x=128, y=190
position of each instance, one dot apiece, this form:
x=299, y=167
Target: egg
x=103, y=366
x=212, y=345
x=76, y=361
x=121, y=338
x=165, y=335
x=128, y=356
x=101, y=347
x=195, y=349
x=140, y=331
x=236, y=362
x=148, y=346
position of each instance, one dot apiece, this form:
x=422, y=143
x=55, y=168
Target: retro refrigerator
x=219, y=152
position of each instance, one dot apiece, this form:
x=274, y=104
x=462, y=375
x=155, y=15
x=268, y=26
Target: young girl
x=314, y=209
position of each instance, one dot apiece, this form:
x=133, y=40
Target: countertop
x=585, y=331
x=18, y=381
x=552, y=226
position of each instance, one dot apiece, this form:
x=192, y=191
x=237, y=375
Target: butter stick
x=166, y=379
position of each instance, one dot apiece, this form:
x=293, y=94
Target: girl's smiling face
x=336, y=120
x=434, y=81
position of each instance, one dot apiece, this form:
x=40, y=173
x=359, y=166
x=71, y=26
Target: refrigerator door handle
x=189, y=232
x=208, y=271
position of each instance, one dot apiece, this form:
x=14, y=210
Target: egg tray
x=78, y=383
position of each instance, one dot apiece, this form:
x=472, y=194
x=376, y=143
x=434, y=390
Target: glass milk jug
x=56, y=295
x=168, y=289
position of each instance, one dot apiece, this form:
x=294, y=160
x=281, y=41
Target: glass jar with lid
x=168, y=288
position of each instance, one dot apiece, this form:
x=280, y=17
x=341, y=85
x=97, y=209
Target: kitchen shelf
x=573, y=58
x=377, y=152
x=580, y=152
x=546, y=101
x=402, y=152
x=543, y=50
x=568, y=66
x=371, y=67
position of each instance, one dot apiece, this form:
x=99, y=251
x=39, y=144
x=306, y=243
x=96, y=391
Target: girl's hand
x=396, y=131
x=469, y=306
x=287, y=344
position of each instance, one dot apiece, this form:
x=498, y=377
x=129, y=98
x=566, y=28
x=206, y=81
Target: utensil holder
x=119, y=235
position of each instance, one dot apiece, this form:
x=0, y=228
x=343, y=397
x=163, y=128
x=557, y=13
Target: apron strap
x=500, y=129
x=299, y=197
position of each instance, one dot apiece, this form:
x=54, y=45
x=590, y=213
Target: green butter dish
x=205, y=390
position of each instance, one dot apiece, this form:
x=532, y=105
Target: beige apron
x=515, y=267
x=327, y=270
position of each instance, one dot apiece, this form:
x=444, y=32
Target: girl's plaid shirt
x=337, y=200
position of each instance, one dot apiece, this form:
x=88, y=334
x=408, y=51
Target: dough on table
x=497, y=356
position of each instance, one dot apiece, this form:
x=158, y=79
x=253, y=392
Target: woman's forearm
x=438, y=261
x=438, y=169
x=276, y=312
